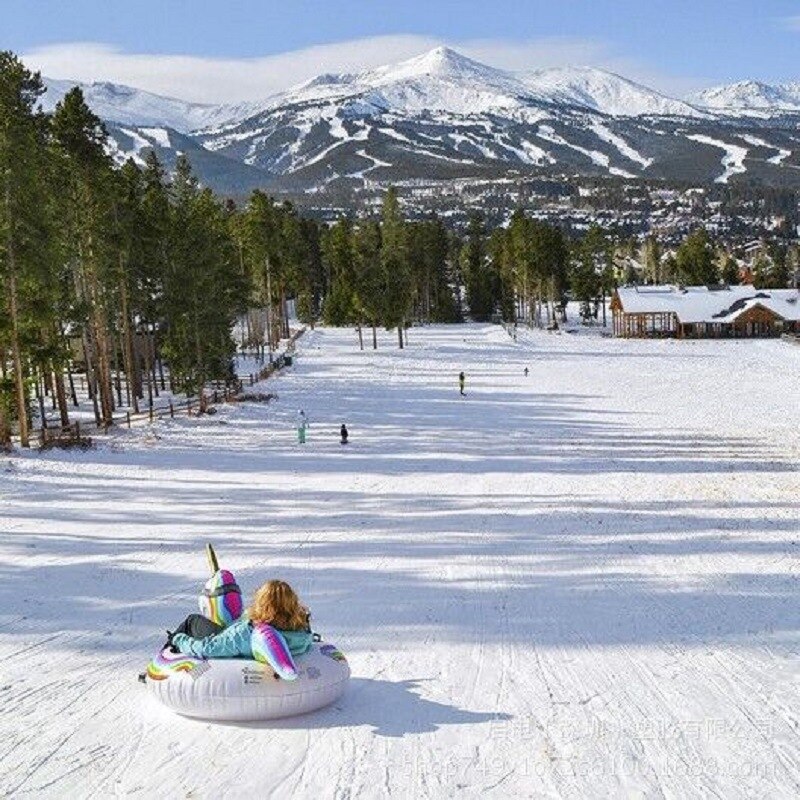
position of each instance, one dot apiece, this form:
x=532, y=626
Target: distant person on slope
x=344, y=434
x=461, y=381
x=302, y=426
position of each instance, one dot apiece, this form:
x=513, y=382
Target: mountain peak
x=441, y=62
x=444, y=58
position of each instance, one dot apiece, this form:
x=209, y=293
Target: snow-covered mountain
x=128, y=106
x=441, y=115
x=751, y=96
x=444, y=80
x=440, y=80
x=605, y=92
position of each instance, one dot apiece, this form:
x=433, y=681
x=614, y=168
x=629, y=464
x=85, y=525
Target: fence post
x=128, y=417
x=188, y=407
x=151, y=412
x=171, y=409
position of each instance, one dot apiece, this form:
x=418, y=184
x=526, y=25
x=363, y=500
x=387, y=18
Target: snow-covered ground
x=579, y=584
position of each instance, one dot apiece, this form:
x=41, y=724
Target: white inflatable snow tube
x=236, y=689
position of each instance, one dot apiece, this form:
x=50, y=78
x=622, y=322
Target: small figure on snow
x=526, y=372
x=344, y=434
x=302, y=426
x=461, y=381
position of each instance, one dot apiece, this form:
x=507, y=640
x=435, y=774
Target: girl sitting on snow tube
x=273, y=630
x=223, y=665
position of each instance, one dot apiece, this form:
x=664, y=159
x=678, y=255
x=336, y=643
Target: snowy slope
x=581, y=584
x=603, y=91
x=129, y=106
x=750, y=97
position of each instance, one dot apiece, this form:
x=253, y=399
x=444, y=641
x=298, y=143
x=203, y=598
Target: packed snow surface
x=577, y=584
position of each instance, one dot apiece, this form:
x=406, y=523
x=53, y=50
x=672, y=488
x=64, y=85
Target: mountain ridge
x=442, y=115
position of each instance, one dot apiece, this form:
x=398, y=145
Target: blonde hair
x=277, y=604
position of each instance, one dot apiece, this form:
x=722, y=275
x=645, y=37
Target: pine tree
x=369, y=284
x=730, y=271
x=338, y=251
x=694, y=260
x=203, y=292
x=477, y=275
x=23, y=204
x=86, y=185
x=394, y=265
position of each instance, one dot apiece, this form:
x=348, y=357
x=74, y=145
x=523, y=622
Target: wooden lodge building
x=704, y=311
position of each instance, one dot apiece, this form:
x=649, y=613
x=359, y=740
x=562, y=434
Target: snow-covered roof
x=701, y=304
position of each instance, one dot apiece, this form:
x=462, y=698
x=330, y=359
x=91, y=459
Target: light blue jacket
x=235, y=642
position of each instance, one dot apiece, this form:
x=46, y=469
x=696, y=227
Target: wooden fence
x=215, y=393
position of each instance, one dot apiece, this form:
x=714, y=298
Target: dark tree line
x=121, y=269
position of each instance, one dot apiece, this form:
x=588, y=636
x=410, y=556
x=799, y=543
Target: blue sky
x=674, y=45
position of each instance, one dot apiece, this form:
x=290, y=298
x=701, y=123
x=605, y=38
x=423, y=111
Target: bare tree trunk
x=99, y=338
x=360, y=337
x=198, y=355
x=16, y=354
x=400, y=335
x=285, y=314
x=128, y=358
x=90, y=380
x=374, y=337
x=159, y=361
x=151, y=348
x=148, y=374
x=72, y=393
x=40, y=399
x=61, y=396
x=16, y=351
x=5, y=431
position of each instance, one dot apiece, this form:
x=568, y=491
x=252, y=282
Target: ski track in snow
x=582, y=583
x=732, y=161
x=547, y=133
x=376, y=164
x=776, y=159
x=624, y=148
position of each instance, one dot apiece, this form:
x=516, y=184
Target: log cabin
x=704, y=312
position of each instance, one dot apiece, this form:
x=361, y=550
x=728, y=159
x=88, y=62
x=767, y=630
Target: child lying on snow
x=275, y=604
